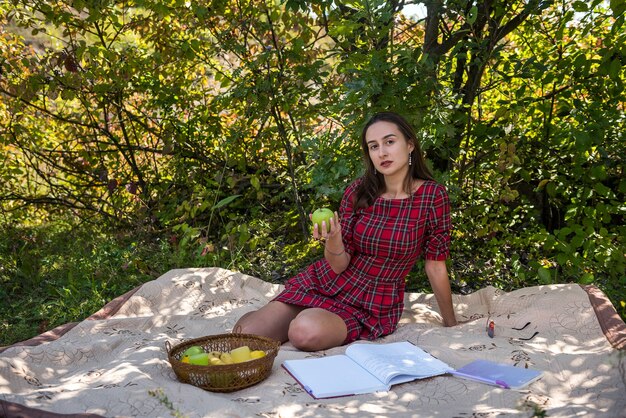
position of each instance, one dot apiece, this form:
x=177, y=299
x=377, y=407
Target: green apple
x=194, y=349
x=200, y=359
x=322, y=215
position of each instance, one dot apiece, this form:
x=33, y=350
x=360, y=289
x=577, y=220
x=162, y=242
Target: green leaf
x=544, y=275
x=598, y=172
x=472, y=15
x=617, y=7
x=225, y=201
x=586, y=278
x=614, y=69
x=564, y=232
x=602, y=189
x=68, y=94
x=294, y=5
x=583, y=140
x=577, y=241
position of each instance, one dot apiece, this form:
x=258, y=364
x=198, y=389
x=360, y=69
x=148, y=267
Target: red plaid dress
x=384, y=241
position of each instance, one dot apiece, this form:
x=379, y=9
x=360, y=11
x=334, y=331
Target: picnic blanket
x=115, y=364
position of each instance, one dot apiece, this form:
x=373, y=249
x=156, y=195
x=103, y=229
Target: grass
x=52, y=274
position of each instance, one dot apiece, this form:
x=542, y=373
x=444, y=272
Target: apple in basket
x=194, y=349
x=243, y=353
x=197, y=356
x=240, y=354
x=257, y=354
x=191, y=351
x=200, y=359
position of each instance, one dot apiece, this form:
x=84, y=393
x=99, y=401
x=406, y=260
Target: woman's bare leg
x=272, y=320
x=316, y=329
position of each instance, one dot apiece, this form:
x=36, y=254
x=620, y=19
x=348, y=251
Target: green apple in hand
x=322, y=215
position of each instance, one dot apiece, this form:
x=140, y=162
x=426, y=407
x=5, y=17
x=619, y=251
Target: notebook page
x=332, y=376
x=396, y=362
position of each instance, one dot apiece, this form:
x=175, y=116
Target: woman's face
x=388, y=148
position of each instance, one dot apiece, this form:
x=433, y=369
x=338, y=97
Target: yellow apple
x=226, y=358
x=240, y=354
x=257, y=354
x=214, y=361
x=215, y=354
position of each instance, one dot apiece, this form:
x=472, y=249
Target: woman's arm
x=437, y=273
x=334, y=249
x=338, y=246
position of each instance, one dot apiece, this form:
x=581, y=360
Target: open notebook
x=367, y=368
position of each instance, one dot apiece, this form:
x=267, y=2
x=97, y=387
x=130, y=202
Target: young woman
x=388, y=218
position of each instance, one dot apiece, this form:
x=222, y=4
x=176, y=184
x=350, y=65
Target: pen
x=502, y=384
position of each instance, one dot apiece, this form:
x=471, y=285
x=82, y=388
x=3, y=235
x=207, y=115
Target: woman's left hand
x=325, y=234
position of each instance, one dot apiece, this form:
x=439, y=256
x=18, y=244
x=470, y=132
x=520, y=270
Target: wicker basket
x=227, y=377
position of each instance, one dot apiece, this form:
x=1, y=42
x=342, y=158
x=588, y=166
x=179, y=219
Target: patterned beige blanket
x=115, y=363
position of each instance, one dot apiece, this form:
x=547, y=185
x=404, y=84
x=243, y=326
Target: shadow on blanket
x=114, y=363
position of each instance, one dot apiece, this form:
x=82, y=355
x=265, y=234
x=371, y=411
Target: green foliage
x=208, y=132
x=56, y=274
x=334, y=157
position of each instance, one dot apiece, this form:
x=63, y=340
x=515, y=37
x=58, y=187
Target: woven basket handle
x=168, y=347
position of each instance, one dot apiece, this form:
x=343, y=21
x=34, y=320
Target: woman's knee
x=243, y=323
x=313, y=332
x=303, y=334
x=271, y=320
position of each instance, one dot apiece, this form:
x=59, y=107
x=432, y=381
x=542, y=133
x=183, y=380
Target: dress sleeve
x=348, y=217
x=437, y=241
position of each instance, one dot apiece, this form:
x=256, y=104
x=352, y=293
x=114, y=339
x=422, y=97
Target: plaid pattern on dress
x=384, y=241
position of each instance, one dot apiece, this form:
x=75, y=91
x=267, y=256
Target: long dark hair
x=373, y=183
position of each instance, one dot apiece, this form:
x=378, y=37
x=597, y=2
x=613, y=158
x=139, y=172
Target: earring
x=410, y=162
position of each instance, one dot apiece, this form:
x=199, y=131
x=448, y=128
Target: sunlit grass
x=55, y=273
